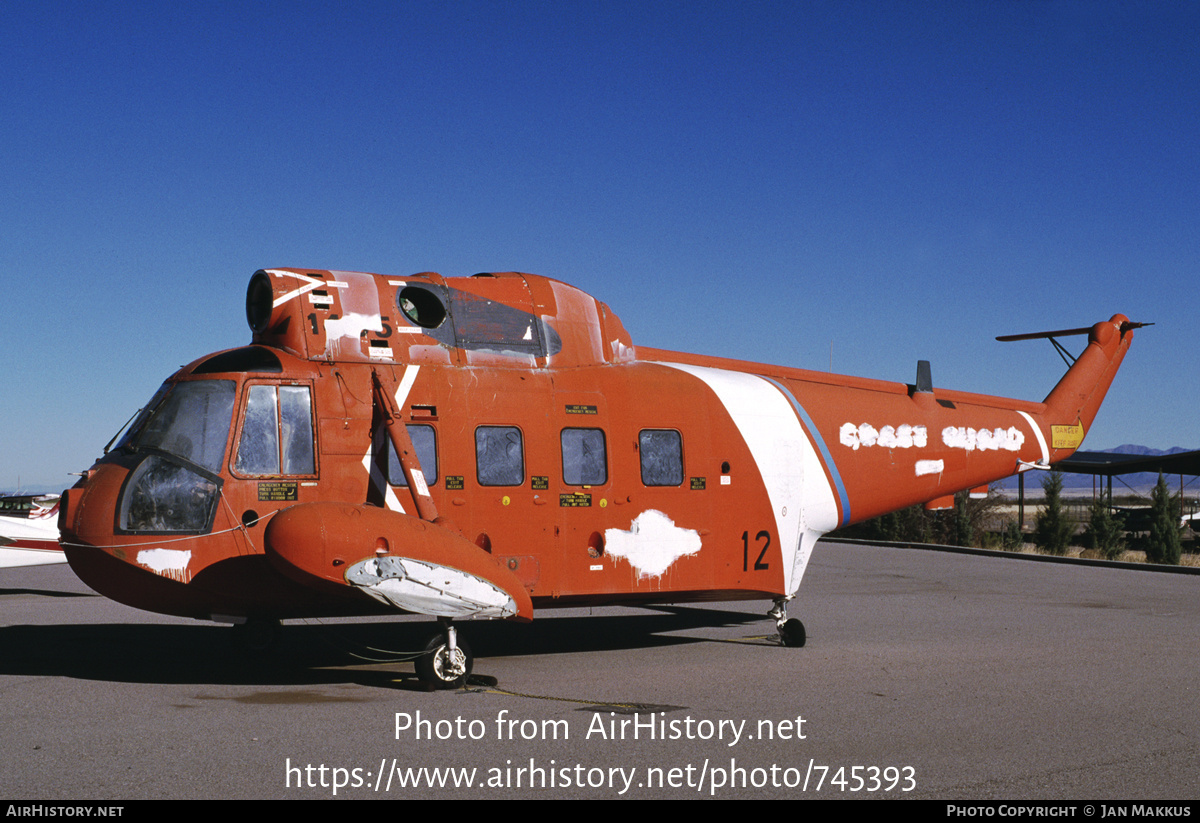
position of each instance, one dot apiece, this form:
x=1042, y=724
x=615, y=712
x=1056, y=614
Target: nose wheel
x=791, y=631
x=447, y=660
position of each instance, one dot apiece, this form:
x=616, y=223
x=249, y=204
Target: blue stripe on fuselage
x=811, y=428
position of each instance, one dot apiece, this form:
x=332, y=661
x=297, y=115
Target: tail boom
x=893, y=448
x=1072, y=405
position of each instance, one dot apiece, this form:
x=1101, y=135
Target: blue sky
x=872, y=182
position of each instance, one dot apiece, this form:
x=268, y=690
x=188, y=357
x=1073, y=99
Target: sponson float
x=486, y=446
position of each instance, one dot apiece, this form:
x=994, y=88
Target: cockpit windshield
x=183, y=430
x=189, y=420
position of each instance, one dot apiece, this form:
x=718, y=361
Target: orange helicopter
x=481, y=447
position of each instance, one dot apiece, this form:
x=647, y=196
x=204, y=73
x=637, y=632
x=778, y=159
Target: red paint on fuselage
x=531, y=366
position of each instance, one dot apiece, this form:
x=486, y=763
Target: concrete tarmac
x=926, y=675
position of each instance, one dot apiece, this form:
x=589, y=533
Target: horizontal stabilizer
x=1041, y=335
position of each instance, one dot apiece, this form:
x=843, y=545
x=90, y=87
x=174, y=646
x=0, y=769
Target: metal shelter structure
x=1108, y=464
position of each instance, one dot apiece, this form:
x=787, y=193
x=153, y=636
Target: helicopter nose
x=86, y=510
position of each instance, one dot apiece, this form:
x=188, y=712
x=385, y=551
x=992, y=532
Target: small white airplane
x=29, y=531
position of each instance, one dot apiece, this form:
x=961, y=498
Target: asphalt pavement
x=926, y=674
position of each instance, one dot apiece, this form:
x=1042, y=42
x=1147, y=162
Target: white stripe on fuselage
x=378, y=478
x=310, y=283
x=1040, y=439
x=802, y=499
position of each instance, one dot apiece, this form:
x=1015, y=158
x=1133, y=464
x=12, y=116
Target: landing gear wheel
x=792, y=634
x=442, y=669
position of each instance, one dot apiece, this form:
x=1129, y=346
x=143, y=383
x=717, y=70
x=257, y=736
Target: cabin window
x=499, y=458
x=277, y=432
x=424, y=441
x=661, y=451
x=585, y=462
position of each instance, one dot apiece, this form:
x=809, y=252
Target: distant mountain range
x=1131, y=448
x=1140, y=480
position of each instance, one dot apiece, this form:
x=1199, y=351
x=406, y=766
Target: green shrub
x=1053, y=529
x=1163, y=544
x=1105, y=533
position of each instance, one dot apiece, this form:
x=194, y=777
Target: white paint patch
x=802, y=498
x=351, y=325
x=930, y=467
x=359, y=296
x=652, y=543
x=904, y=436
x=962, y=437
x=172, y=563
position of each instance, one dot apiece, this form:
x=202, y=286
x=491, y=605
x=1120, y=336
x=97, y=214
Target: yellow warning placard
x=278, y=491
x=1066, y=437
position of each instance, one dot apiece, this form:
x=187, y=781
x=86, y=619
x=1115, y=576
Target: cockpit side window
x=131, y=434
x=277, y=432
x=295, y=420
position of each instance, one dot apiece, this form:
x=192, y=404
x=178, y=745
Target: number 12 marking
x=759, y=565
